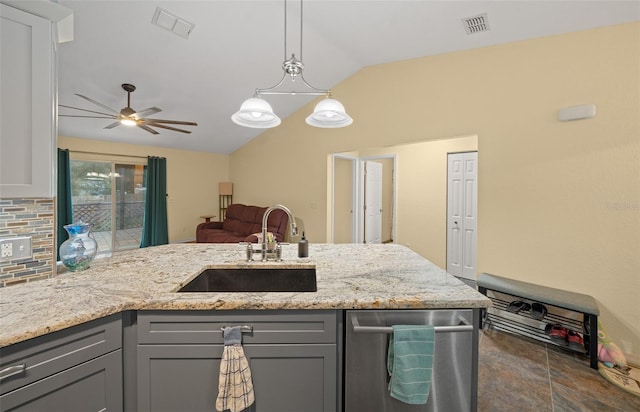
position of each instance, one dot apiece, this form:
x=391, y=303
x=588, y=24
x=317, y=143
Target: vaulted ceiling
x=236, y=46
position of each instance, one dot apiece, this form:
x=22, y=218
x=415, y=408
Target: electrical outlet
x=6, y=250
x=15, y=248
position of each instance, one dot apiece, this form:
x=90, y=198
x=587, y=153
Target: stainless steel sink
x=254, y=280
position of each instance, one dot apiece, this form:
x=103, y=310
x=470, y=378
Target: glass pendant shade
x=329, y=113
x=256, y=113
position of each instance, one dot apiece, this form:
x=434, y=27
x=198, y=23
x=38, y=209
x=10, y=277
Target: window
x=110, y=195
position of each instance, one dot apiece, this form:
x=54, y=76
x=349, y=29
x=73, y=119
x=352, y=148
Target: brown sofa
x=241, y=224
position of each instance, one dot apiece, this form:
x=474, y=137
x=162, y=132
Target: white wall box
x=585, y=111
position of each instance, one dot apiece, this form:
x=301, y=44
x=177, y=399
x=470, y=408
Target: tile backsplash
x=35, y=218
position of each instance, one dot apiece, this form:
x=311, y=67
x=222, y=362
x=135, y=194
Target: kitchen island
x=143, y=284
x=349, y=277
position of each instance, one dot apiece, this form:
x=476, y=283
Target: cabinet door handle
x=12, y=370
x=243, y=328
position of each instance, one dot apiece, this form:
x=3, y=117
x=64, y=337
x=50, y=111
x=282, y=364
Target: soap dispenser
x=303, y=247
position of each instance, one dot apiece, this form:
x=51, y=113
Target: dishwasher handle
x=465, y=327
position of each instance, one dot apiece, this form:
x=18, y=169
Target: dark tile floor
x=521, y=374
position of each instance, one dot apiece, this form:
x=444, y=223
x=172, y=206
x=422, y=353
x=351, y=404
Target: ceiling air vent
x=476, y=24
x=171, y=22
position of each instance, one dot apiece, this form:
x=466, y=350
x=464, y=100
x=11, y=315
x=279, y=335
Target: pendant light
x=256, y=112
x=329, y=113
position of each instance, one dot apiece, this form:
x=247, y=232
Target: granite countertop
x=349, y=276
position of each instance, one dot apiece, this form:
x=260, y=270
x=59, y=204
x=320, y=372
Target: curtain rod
x=106, y=154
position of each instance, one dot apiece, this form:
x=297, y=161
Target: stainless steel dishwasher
x=455, y=367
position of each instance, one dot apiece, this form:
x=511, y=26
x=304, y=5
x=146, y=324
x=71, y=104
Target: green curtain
x=64, y=214
x=154, y=229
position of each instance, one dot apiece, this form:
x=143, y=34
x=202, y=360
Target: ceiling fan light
x=256, y=113
x=329, y=113
x=128, y=122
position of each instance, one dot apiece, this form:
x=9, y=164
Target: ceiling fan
x=129, y=116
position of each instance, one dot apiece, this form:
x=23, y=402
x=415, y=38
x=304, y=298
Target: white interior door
x=344, y=198
x=462, y=206
x=373, y=202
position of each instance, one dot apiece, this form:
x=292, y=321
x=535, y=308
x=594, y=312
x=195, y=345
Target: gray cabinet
x=87, y=387
x=27, y=109
x=76, y=369
x=293, y=356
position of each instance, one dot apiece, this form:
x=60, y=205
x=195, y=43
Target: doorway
x=348, y=197
x=462, y=219
x=110, y=196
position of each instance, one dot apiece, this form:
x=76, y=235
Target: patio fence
x=129, y=215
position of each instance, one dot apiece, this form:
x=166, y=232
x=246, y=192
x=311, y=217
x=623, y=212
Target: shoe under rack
x=523, y=324
x=575, y=311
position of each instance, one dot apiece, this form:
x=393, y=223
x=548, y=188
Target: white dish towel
x=235, y=388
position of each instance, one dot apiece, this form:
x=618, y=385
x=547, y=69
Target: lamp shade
x=256, y=113
x=225, y=188
x=329, y=113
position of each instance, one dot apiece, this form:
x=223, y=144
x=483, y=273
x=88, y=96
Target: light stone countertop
x=349, y=276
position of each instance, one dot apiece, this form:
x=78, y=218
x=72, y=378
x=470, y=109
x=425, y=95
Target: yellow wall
x=192, y=180
x=559, y=203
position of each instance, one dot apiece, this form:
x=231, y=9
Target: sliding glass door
x=110, y=196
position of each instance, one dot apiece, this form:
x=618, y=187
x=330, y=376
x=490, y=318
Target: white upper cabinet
x=27, y=103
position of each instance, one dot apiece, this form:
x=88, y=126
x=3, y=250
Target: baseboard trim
x=632, y=359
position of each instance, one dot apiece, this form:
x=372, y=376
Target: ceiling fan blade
x=112, y=125
x=98, y=103
x=92, y=117
x=147, y=128
x=169, y=128
x=148, y=120
x=90, y=111
x=148, y=112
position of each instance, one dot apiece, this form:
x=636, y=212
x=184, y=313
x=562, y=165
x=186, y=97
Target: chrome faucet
x=294, y=228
